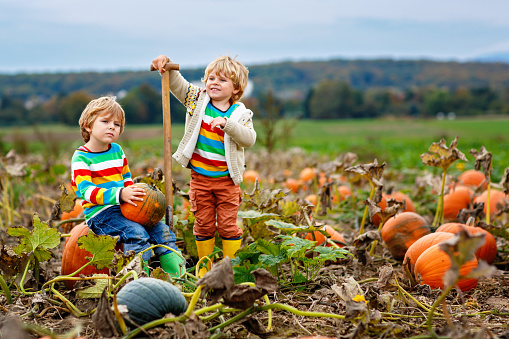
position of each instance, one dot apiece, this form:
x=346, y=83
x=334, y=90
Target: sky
x=39, y=36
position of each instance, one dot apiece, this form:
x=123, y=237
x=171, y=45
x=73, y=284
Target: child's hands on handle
x=132, y=193
x=159, y=62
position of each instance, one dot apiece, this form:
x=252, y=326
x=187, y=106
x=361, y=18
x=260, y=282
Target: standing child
x=101, y=177
x=217, y=130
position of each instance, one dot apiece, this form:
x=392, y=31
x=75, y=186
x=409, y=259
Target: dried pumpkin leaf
x=372, y=171
x=461, y=248
x=484, y=160
x=439, y=155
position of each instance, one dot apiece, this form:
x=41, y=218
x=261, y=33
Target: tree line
x=329, y=99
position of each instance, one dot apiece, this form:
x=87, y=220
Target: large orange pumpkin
x=149, y=211
x=422, y=244
x=497, y=200
x=473, y=178
x=399, y=196
x=457, y=199
x=487, y=252
x=433, y=263
x=74, y=257
x=402, y=230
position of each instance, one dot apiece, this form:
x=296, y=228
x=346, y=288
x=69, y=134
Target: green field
x=399, y=142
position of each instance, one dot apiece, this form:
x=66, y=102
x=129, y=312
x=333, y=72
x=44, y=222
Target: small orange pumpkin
x=433, y=263
x=292, y=184
x=251, y=176
x=74, y=257
x=307, y=174
x=497, y=200
x=399, y=196
x=149, y=211
x=402, y=230
x=487, y=252
x=312, y=198
x=422, y=244
x=473, y=178
x=320, y=238
x=457, y=199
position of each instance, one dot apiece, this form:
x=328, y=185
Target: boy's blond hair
x=107, y=106
x=231, y=68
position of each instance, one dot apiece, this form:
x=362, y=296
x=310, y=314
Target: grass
x=399, y=142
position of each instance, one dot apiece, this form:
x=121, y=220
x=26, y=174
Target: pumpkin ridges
x=473, y=178
x=496, y=198
x=488, y=250
x=139, y=294
x=433, y=263
x=402, y=230
x=458, y=198
x=148, y=212
x=415, y=250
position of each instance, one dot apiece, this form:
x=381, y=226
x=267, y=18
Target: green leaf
x=102, y=248
x=243, y=274
x=96, y=290
x=267, y=247
x=273, y=260
x=255, y=215
x=39, y=241
x=285, y=226
x=330, y=253
x=296, y=247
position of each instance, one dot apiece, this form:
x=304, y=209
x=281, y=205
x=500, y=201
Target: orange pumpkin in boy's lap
x=149, y=211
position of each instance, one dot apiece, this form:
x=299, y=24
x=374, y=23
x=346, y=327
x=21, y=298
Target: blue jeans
x=134, y=236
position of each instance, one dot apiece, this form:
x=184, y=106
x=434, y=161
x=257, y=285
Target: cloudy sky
x=69, y=35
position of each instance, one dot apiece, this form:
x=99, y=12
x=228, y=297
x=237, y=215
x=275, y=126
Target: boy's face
x=219, y=87
x=104, y=130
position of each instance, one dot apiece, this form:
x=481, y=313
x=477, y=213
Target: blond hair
x=107, y=106
x=231, y=68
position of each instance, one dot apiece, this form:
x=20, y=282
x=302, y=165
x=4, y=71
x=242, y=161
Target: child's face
x=104, y=130
x=219, y=87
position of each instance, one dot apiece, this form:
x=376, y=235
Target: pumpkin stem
x=470, y=221
x=488, y=199
x=364, y=216
x=439, y=215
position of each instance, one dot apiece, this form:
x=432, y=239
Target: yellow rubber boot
x=205, y=248
x=230, y=247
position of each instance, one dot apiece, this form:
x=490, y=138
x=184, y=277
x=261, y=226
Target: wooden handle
x=169, y=66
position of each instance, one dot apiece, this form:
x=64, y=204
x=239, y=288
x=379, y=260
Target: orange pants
x=215, y=203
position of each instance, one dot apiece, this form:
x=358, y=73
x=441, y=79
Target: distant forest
x=334, y=89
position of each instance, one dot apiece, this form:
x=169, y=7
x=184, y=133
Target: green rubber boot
x=170, y=263
x=146, y=267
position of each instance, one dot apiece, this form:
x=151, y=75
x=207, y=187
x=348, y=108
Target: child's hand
x=159, y=62
x=131, y=194
x=219, y=121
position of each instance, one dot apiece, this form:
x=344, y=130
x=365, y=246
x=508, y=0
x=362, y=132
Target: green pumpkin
x=149, y=299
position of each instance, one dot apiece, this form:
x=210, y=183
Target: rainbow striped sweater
x=98, y=178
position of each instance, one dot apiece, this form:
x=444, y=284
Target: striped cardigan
x=98, y=178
